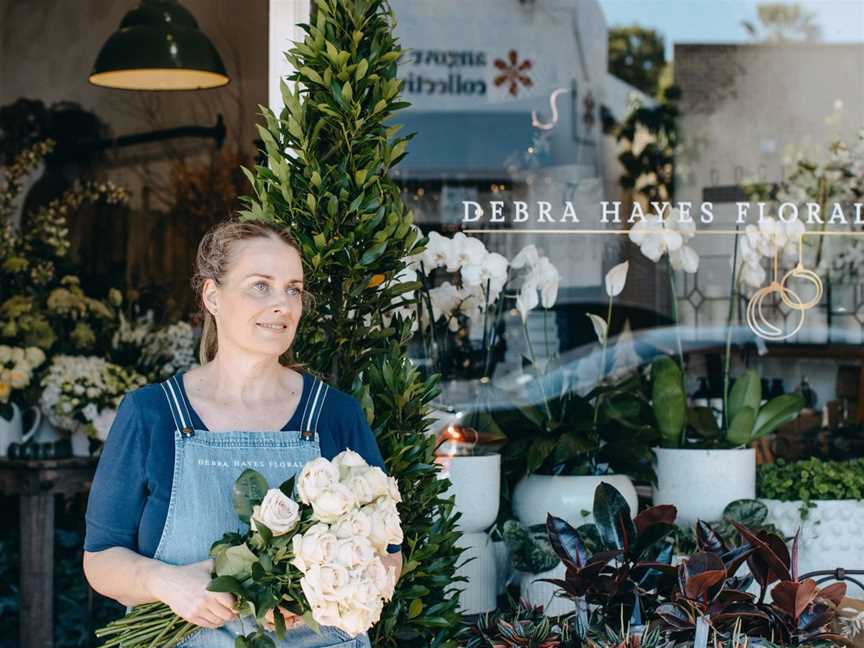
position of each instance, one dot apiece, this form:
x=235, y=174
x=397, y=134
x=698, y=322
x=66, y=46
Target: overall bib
x=206, y=464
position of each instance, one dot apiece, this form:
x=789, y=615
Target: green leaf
x=703, y=421
x=362, y=68
x=538, y=452
x=249, y=489
x=741, y=427
x=372, y=254
x=235, y=561
x=312, y=75
x=415, y=609
x=746, y=392
x=668, y=400
x=777, y=412
x=226, y=584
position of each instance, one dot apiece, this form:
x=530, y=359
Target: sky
x=719, y=21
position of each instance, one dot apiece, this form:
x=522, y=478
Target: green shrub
x=810, y=480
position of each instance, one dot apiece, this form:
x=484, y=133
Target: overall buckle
x=308, y=435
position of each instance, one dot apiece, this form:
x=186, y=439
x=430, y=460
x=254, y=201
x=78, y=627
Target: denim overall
x=201, y=510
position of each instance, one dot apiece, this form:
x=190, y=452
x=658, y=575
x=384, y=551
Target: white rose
x=323, y=611
x=332, y=582
x=356, y=523
x=354, y=553
x=376, y=573
x=316, y=546
x=346, y=460
x=315, y=477
x=356, y=620
x=367, y=484
x=16, y=354
x=393, y=489
x=5, y=353
x=277, y=512
x=386, y=526
x=92, y=392
x=332, y=503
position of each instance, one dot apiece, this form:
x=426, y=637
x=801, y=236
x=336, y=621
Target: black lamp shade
x=159, y=47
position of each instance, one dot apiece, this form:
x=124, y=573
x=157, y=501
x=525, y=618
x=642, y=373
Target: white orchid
x=542, y=277
x=493, y=270
x=770, y=237
x=445, y=302
x=656, y=237
x=465, y=250
x=437, y=252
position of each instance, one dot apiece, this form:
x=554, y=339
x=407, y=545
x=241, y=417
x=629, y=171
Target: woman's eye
x=257, y=284
x=294, y=291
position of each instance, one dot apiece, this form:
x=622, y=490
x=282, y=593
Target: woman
x=161, y=493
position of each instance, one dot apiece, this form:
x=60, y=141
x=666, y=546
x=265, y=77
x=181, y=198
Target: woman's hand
x=291, y=619
x=184, y=589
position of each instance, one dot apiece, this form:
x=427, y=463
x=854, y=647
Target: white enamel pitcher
x=12, y=431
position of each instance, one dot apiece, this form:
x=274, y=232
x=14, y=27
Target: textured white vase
x=568, y=497
x=538, y=593
x=477, y=564
x=701, y=483
x=476, y=484
x=832, y=535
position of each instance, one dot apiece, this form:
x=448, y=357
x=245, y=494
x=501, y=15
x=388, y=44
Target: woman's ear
x=211, y=298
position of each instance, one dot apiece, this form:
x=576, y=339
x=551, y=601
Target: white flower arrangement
x=158, y=352
x=84, y=392
x=16, y=369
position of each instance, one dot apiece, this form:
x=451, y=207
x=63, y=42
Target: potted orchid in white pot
x=701, y=464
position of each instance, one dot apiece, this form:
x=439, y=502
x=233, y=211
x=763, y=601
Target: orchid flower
x=656, y=237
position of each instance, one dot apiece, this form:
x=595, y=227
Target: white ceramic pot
x=832, y=534
x=80, y=444
x=539, y=593
x=568, y=497
x=701, y=483
x=477, y=564
x=10, y=430
x=477, y=486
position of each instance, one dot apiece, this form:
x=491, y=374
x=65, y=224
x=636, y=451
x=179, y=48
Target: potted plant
x=825, y=499
x=628, y=576
x=561, y=448
x=703, y=466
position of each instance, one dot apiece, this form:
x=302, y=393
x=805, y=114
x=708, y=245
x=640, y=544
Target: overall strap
x=178, y=406
x=312, y=411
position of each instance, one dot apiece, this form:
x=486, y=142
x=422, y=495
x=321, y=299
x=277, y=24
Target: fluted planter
x=832, y=534
x=476, y=484
x=701, y=483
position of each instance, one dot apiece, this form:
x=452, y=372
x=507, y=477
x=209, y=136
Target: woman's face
x=259, y=303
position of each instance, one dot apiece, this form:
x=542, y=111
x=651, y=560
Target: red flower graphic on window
x=512, y=72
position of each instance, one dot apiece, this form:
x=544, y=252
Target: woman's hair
x=213, y=261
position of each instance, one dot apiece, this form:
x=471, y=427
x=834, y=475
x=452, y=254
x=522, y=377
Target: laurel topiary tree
x=328, y=156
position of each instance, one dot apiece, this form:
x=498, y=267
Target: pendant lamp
x=159, y=46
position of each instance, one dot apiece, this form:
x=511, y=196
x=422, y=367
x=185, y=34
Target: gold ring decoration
x=800, y=272
x=756, y=319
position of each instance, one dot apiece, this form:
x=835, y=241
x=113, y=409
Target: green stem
x=534, y=364
x=496, y=322
x=603, y=358
x=733, y=298
x=675, y=314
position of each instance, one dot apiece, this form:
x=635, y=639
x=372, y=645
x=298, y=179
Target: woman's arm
x=132, y=579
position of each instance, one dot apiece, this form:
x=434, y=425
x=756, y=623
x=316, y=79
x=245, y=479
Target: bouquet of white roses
x=85, y=392
x=318, y=555
x=16, y=372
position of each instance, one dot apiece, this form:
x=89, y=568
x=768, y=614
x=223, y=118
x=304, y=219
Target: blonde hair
x=212, y=262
